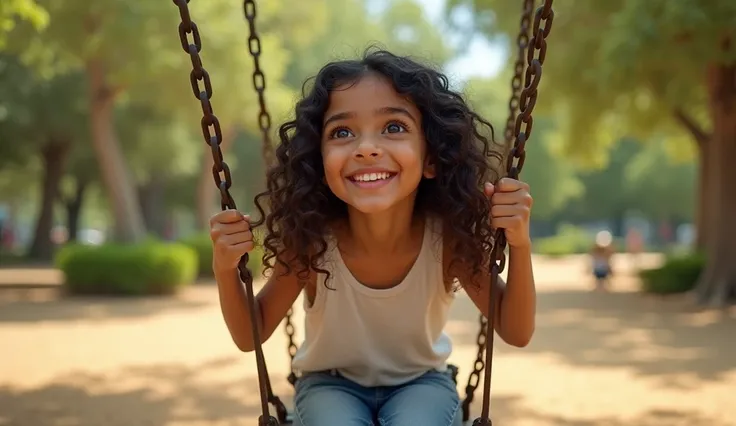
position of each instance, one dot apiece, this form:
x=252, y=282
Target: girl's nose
x=367, y=149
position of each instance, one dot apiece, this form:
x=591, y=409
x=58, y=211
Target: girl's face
x=373, y=148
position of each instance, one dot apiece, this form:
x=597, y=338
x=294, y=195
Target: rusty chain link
x=474, y=378
x=259, y=80
x=536, y=52
x=292, y=348
x=212, y=133
x=522, y=41
x=264, y=123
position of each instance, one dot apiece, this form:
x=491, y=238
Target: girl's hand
x=511, y=206
x=231, y=238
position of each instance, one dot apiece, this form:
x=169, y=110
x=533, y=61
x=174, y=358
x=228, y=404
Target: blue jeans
x=328, y=399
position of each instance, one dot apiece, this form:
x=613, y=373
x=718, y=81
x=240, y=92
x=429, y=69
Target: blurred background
x=106, y=190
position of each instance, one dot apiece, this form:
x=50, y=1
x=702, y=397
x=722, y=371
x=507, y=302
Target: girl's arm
x=515, y=309
x=272, y=303
x=516, y=302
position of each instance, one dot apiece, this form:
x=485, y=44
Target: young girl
x=379, y=203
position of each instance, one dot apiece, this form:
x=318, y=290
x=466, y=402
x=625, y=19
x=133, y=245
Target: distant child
x=601, y=255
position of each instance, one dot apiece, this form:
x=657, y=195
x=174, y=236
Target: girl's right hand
x=231, y=238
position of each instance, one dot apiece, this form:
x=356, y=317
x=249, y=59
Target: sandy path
x=597, y=359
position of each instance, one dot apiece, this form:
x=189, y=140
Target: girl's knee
x=324, y=399
x=430, y=400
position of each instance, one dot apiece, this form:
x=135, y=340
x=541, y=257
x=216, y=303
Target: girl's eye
x=340, y=133
x=395, y=128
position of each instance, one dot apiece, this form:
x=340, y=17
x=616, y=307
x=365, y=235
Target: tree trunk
x=704, y=188
x=717, y=284
x=151, y=198
x=705, y=193
x=54, y=154
x=206, y=189
x=73, y=206
x=129, y=226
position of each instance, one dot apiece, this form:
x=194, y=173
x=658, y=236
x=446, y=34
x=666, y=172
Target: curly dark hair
x=459, y=142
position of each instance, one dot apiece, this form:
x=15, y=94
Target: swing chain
x=259, y=80
x=211, y=130
x=264, y=122
x=478, y=366
x=527, y=101
x=536, y=52
x=212, y=133
x=292, y=348
x=522, y=41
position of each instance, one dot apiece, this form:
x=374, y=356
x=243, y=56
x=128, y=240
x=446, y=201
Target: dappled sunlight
x=215, y=392
x=612, y=359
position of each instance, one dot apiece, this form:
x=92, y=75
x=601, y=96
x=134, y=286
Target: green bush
x=202, y=244
x=12, y=258
x=112, y=269
x=678, y=274
x=569, y=240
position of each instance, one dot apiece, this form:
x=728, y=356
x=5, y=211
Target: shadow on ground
x=167, y=394
x=208, y=394
x=47, y=305
x=509, y=411
x=655, y=336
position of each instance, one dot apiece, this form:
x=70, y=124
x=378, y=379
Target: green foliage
x=568, y=240
x=401, y=27
x=638, y=177
x=128, y=270
x=619, y=68
x=26, y=10
x=678, y=274
x=202, y=244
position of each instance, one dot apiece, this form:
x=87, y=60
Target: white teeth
x=369, y=177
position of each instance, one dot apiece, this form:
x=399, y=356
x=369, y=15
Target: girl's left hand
x=511, y=206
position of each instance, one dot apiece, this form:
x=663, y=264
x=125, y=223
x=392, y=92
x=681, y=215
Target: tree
x=43, y=118
x=626, y=68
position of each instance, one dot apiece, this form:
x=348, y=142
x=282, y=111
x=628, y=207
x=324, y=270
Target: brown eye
x=395, y=128
x=341, y=133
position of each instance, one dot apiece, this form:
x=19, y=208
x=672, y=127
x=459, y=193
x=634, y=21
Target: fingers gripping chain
x=212, y=133
x=518, y=129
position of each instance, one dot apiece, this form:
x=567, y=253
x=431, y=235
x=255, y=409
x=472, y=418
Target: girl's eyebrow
x=339, y=116
x=380, y=111
x=395, y=110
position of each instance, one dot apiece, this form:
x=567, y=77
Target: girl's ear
x=430, y=171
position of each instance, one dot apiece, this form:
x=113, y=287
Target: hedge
x=114, y=269
x=202, y=244
x=678, y=274
x=568, y=240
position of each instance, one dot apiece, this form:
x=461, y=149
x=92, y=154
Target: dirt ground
x=597, y=359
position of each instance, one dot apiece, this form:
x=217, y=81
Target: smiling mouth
x=372, y=180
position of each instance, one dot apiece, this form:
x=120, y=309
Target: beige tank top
x=383, y=337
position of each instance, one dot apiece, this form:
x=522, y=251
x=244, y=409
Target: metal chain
x=536, y=53
x=259, y=80
x=212, y=133
x=522, y=41
x=264, y=122
x=292, y=348
x=478, y=366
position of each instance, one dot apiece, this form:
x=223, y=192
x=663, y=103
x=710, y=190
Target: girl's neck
x=382, y=233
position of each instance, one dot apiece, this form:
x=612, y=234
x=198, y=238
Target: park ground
x=597, y=359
